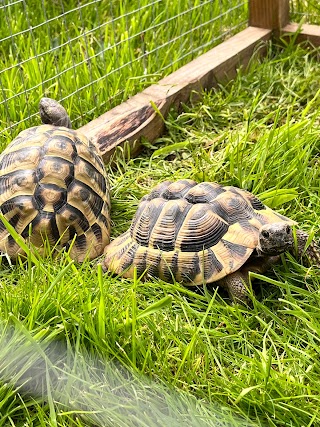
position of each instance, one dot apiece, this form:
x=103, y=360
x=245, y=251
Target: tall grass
x=96, y=54
x=306, y=10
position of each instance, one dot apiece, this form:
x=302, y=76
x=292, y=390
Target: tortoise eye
x=265, y=234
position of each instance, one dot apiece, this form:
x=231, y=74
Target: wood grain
x=303, y=33
x=271, y=14
x=136, y=118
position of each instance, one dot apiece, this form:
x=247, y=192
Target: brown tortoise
x=53, y=185
x=201, y=233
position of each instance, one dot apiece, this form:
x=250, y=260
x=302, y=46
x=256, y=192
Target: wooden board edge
x=305, y=32
x=137, y=117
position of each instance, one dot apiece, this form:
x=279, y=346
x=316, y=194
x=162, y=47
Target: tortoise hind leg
x=237, y=283
x=312, y=252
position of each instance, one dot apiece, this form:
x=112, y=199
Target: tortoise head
x=53, y=113
x=275, y=238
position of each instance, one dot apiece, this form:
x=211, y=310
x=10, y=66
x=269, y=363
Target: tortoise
x=202, y=233
x=54, y=188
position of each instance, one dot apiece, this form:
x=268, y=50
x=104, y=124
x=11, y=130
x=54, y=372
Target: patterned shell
x=53, y=187
x=192, y=233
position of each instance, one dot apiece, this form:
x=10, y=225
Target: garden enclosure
x=84, y=59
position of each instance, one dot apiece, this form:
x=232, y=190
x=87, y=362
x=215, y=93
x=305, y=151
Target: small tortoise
x=54, y=187
x=201, y=233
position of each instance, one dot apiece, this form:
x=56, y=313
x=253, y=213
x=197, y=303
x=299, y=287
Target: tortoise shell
x=191, y=233
x=54, y=187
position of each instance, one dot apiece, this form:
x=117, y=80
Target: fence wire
x=94, y=54
x=306, y=11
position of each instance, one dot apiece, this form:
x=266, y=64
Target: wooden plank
x=304, y=32
x=137, y=118
x=271, y=14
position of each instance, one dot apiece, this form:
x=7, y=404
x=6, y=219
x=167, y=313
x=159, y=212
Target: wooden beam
x=271, y=14
x=137, y=118
x=303, y=33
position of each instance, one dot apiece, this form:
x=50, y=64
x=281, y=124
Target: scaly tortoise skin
x=201, y=233
x=54, y=187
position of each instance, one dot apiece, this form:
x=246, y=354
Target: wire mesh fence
x=307, y=11
x=95, y=54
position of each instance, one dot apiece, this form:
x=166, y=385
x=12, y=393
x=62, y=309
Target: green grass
x=96, y=54
x=69, y=333
x=306, y=10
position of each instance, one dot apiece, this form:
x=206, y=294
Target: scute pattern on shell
x=191, y=233
x=53, y=185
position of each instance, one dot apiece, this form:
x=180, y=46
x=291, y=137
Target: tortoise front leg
x=312, y=252
x=237, y=283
